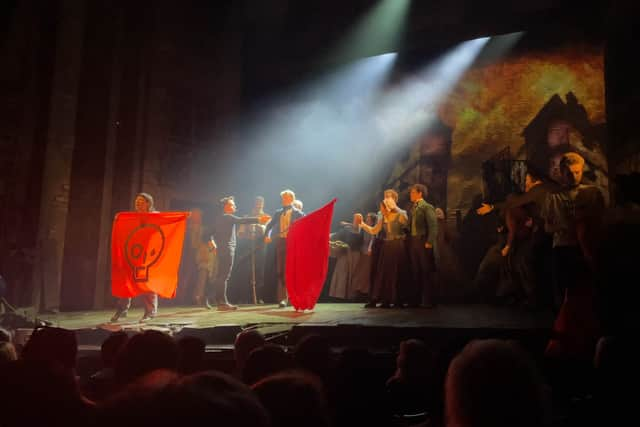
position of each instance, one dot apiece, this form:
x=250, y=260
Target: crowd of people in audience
x=150, y=378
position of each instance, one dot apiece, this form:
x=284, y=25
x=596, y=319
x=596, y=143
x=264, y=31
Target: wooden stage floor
x=443, y=316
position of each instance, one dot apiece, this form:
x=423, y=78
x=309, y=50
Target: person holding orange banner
x=143, y=204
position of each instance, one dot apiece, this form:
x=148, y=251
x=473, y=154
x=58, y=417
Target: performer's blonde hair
x=149, y=198
x=289, y=192
x=394, y=193
x=572, y=158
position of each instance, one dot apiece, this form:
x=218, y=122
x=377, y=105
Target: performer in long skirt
x=392, y=257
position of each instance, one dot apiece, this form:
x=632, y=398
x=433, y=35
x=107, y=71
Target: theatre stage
x=343, y=323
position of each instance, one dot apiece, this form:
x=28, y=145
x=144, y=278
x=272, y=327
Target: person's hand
x=428, y=245
x=264, y=219
x=212, y=246
x=390, y=203
x=267, y=239
x=484, y=209
x=505, y=250
x=529, y=222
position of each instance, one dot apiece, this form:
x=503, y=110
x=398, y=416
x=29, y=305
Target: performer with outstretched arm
x=224, y=242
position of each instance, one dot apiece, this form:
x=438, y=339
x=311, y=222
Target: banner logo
x=142, y=249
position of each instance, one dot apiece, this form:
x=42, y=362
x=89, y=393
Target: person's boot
x=147, y=316
x=226, y=307
x=203, y=302
x=120, y=314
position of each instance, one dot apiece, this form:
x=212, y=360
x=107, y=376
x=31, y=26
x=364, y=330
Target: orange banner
x=145, y=253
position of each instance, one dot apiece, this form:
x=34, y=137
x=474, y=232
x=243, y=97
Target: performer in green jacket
x=423, y=232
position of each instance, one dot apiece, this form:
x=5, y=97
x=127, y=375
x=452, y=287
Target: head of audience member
x=40, y=391
x=210, y=396
x=111, y=347
x=191, y=355
x=264, y=361
x=293, y=399
x=144, y=353
x=617, y=370
x=357, y=388
x=313, y=354
x=287, y=197
x=494, y=383
x=246, y=342
x=571, y=169
x=297, y=203
x=414, y=361
x=607, y=354
x=617, y=357
x=52, y=345
x=135, y=403
x=616, y=265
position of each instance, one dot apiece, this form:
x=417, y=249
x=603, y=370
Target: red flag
x=308, y=257
x=145, y=253
x=576, y=329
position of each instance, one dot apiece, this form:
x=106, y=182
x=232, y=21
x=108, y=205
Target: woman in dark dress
x=391, y=229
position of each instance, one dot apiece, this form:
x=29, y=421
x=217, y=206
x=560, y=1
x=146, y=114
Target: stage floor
x=443, y=316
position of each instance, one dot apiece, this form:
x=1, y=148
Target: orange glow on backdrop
x=492, y=104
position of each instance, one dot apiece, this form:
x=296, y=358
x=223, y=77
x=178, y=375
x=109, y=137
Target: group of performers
x=546, y=246
x=396, y=252
x=219, y=237
x=551, y=232
x=390, y=228
x=401, y=246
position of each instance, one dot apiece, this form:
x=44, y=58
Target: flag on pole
x=307, y=258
